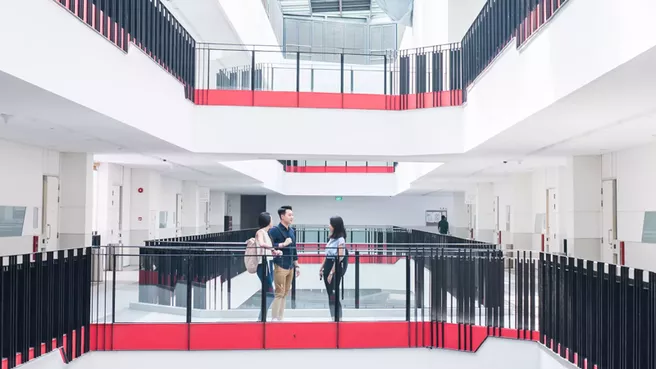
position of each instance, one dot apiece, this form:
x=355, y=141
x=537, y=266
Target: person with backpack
x=259, y=249
x=334, y=265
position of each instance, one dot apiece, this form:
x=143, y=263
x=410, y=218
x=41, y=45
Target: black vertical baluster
x=531, y=294
x=525, y=295
x=357, y=279
x=518, y=295
x=407, y=286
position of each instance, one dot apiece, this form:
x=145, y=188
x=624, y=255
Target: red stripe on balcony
x=338, y=169
x=327, y=100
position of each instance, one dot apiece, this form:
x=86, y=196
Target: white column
x=458, y=219
x=76, y=200
x=522, y=220
x=144, y=188
x=190, y=208
x=584, y=240
x=217, y=211
x=485, y=221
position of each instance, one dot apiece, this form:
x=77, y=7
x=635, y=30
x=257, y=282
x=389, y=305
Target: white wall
x=398, y=210
x=217, y=210
x=633, y=169
x=462, y=14
x=441, y=131
x=22, y=169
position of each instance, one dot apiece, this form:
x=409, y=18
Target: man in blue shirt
x=285, y=265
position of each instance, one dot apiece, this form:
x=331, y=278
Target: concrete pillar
x=522, y=220
x=190, y=208
x=217, y=210
x=145, y=186
x=485, y=213
x=76, y=200
x=583, y=224
x=458, y=219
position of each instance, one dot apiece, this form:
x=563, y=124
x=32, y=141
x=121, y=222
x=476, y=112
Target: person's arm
x=276, y=238
x=262, y=241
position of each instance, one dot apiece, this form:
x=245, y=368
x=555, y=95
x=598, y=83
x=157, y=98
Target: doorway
x=178, y=215
x=50, y=220
x=609, y=251
x=251, y=207
x=551, y=242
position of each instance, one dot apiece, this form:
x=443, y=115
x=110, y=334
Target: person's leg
x=279, y=275
x=266, y=280
x=338, y=304
x=331, y=298
x=288, y=276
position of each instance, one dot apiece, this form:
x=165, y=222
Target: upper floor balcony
x=337, y=166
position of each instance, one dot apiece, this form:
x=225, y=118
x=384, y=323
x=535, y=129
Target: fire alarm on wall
x=140, y=190
x=140, y=219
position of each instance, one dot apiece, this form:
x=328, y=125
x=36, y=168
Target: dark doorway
x=251, y=207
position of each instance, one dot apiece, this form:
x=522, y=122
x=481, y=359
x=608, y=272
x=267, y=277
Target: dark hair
x=338, y=227
x=443, y=217
x=283, y=209
x=264, y=219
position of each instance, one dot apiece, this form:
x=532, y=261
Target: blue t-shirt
x=278, y=235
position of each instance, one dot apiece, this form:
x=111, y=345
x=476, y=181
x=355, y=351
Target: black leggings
x=332, y=288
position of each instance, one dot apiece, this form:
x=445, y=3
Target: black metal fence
x=45, y=301
x=604, y=313
x=149, y=26
x=495, y=26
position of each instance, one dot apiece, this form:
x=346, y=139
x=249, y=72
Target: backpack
x=252, y=255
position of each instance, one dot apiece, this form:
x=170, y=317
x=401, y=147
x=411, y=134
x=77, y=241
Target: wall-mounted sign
x=338, y=198
x=434, y=216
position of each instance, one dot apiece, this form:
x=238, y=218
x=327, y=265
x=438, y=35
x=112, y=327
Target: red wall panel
x=150, y=336
x=226, y=336
x=301, y=335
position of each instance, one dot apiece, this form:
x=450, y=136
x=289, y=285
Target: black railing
x=432, y=73
x=495, y=26
x=45, y=301
x=149, y=26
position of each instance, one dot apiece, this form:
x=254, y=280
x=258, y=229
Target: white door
x=609, y=250
x=50, y=225
x=206, y=218
x=551, y=240
x=178, y=215
x=114, y=215
x=497, y=229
